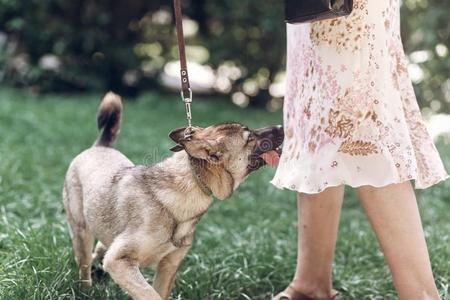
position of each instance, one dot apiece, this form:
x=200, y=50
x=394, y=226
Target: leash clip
x=187, y=99
x=186, y=92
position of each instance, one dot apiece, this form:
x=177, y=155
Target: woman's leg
x=318, y=219
x=394, y=216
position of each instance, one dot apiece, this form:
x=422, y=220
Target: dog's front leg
x=166, y=271
x=125, y=272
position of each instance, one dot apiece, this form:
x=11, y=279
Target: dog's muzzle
x=267, y=149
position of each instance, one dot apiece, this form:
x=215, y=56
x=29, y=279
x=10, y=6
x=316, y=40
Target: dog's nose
x=276, y=135
x=280, y=133
x=279, y=128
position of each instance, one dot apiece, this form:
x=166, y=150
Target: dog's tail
x=109, y=116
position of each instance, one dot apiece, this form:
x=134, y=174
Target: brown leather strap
x=185, y=87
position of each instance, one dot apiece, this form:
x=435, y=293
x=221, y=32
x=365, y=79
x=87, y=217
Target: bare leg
x=124, y=270
x=166, y=270
x=394, y=216
x=318, y=219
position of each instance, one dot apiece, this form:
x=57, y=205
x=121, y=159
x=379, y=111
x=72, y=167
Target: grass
x=245, y=247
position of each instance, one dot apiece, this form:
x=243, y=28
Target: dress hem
x=353, y=185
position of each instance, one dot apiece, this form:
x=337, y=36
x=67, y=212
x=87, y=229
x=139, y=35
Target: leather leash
x=186, y=92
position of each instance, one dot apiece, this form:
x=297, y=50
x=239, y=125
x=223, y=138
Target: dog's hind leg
x=82, y=237
x=82, y=246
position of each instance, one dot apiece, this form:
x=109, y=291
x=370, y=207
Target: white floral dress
x=350, y=113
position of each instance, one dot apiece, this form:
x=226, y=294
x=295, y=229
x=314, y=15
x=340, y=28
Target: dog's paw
x=85, y=285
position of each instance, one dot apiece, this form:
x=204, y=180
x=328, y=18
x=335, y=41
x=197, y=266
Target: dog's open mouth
x=271, y=157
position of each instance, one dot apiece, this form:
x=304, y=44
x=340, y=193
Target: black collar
x=195, y=171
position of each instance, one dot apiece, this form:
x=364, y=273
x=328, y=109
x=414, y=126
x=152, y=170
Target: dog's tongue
x=271, y=157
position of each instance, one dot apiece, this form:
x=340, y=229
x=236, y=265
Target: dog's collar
x=200, y=182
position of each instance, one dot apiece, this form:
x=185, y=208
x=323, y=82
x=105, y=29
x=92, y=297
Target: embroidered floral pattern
x=350, y=113
x=358, y=147
x=338, y=127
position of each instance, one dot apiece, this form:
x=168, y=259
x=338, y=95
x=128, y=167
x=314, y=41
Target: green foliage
x=91, y=39
x=245, y=247
x=124, y=45
x=425, y=28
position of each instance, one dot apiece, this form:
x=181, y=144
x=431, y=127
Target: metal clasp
x=187, y=103
x=186, y=98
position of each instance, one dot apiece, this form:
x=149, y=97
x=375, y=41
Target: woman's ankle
x=316, y=290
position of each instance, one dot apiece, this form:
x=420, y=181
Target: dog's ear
x=176, y=148
x=177, y=135
x=196, y=147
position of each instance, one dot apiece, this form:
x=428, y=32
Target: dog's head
x=233, y=147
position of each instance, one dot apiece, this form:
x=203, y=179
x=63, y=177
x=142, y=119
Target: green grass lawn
x=245, y=247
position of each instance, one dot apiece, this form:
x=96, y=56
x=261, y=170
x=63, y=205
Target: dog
x=146, y=215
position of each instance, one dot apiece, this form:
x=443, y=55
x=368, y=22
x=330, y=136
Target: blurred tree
x=426, y=36
x=56, y=45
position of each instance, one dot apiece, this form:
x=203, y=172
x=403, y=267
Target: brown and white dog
x=146, y=215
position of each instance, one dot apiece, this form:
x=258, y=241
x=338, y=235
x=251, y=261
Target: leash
x=186, y=92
